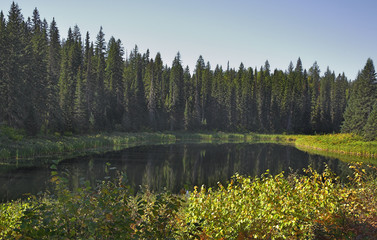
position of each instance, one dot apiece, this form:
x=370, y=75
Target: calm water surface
x=173, y=167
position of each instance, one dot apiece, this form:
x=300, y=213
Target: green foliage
x=108, y=212
x=12, y=133
x=349, y=144
x=274, y=207
x=83, y=87
x=312, y=206
x=10, y=218
x=361, y=101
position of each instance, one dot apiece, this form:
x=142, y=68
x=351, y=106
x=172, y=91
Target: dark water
x=174, y=167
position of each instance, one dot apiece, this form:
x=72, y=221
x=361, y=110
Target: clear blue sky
x=340, y=34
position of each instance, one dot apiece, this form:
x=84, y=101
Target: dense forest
x=76, y=85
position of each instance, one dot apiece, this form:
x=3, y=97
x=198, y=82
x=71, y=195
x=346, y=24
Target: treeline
x=74, y=85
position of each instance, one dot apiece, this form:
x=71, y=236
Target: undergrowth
x=310, y=206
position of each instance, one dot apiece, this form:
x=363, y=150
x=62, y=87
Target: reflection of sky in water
x=176, y=167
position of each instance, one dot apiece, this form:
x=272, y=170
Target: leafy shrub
x=12, y=133
x=273, y=207
x=313, y=206
x=108, y=212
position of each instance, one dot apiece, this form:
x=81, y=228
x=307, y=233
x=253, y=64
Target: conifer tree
x=325, y=101
x=135, y=114
x=54, y=117
x=370, y=128
x=314, y=85
x=3, y=85
x=39, y=71
x=100, y=100
x=70, y=65
x=14, y=77
x=362, y=99
x=197, y=101
x=152, y=99
x=339, y=101
x=176, y=101
x=80, y=114
x=114, y=82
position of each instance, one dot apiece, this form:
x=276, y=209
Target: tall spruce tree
x=314, y=85
x=39, y=72
x=325, y=101
x=54, y=116
x=13, y=77
x=175, y=99
x=3, y=84
x=100, y=100
x=362, y=99
x=114, y=82
x=339, y=101
x=370, y=128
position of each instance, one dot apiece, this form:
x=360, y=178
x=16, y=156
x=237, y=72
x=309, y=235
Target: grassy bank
x=16, y=147
x=24, y=147
x=314, y=206
x=339, y=143
x=50, y=145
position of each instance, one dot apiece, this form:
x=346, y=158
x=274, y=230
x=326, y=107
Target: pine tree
x=39, y=71
x=176, y=101
x=14, y=77
x=188, y=99
x=325, y=101
x=197, y=101
x=100, y=100
x=70, y=65
x=370, y=128
x=54, y=117
x=114, y=82
x=339, y=101
x=152, y=98
x=314, y=85
x=362, y=99
x=80, y=114
x=135, y=115
x=3, y=84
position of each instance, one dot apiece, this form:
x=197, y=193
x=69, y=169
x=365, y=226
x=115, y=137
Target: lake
x=173, y=167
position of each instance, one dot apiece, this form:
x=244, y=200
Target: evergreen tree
x=114, y=82
x=135, y=105
x=89, y=80
x=370, y=128
x=362, y=99
x=80, y=114
x=54, y=117
x=197, y=105
x=339, y=101
x=39, y=72
x=3, y=83
x=175, y=99
x=100, y=100
x=14, y=77
x=70, y=64
x=219, y=93
x=188, y=98
x=314, y=85
x=152, y=99
x=325, y=101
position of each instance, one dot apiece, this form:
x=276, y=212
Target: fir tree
x=54, y=117
x=175, y=100
x=362, y=99
x=114, y=82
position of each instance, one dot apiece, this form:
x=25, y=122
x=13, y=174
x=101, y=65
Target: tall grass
x=348, y=144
